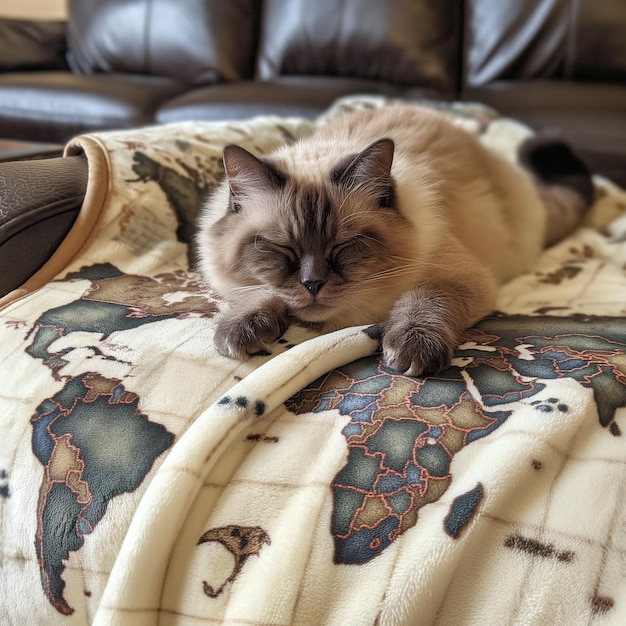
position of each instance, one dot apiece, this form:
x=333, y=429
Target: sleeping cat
x=390, y=215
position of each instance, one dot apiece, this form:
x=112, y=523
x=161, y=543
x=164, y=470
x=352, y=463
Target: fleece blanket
x=145, y=479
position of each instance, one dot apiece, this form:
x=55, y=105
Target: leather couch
x=123, y=63
x=556, y=65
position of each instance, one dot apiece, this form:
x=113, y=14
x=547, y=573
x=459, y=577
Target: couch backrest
x=397, y=41
x=198, y=41
x=551, y=39
x=32, y=44
x=437, y=44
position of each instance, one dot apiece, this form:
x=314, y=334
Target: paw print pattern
x=4, y=484
x=550, y=406
x=241, y=402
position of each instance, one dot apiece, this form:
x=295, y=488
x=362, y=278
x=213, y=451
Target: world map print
x=404, y=432
x=91, y=437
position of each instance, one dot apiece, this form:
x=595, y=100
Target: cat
x=391, y=215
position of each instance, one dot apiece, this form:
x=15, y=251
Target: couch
x=146, y=479
x=119, y=64
x=114, y=64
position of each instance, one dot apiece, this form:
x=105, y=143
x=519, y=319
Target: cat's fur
x=390, y=215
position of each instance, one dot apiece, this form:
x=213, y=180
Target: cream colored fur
x=470, y=220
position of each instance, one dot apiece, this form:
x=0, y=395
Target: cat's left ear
x=247, y=173
x=370, y=170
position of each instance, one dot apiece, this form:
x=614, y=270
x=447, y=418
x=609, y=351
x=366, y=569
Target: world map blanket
x=145, y=479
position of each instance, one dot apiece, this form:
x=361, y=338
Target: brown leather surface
x=304, y=96
x=399, y=41
x=599, y=41
x=310, y=53
x=197, y=41
x=559, y=39
x=28, y=44
x=39, y=201
x=55, y=106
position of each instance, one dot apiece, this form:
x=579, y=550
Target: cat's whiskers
x=366, y=239
x=411, y=266
x=256, y=243
x=427, y=264
x=396, y=270
x=348, y=218
x=388, y=275
x=244, y=289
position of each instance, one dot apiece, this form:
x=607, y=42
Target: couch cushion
x=55, y=106
x=199, y=41
x=305, y=96
x=403, y=42
x=560, y=39
x=29, y=44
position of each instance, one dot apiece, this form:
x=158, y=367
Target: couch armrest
x=39, y=201
x=32, y=45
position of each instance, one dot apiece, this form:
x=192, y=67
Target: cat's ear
x=247, y=173
x=369, y=170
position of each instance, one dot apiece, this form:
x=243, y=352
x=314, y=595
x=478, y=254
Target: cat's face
x=311, y=260
x=323, y=248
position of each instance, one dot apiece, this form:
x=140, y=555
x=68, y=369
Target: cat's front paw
x=414, y=350
x=244, y=333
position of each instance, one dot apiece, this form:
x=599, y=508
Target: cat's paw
x=415, y=351
x=242, y=333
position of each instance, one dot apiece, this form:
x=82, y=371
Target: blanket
x=146, y=479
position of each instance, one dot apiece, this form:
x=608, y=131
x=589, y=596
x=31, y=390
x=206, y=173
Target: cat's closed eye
x=343, y=255
x=262, y=244
x=349, y=254
x=270, y=253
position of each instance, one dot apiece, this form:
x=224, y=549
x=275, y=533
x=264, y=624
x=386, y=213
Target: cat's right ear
x=370, y=171
x=248, y=174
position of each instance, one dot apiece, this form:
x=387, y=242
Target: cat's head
x=325, y=242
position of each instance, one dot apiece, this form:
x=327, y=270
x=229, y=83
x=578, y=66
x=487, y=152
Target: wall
x=40, y=9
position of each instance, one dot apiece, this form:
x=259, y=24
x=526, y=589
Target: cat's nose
x=313, y=286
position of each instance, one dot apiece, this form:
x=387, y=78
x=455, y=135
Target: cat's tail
x=564, y=181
